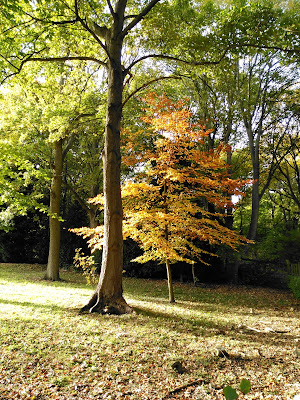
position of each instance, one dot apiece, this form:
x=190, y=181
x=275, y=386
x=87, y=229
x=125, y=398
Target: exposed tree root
x=107, y=305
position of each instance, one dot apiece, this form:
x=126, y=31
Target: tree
x=245, y=97
x=46, y=39
x=49, y=114
x=165, y=207
x=263, y=83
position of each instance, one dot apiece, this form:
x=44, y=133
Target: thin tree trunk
x=194, y=275
x=229, y=210
x=168, y=267
x=170, y=282
x=52, y=272
x=255, y=202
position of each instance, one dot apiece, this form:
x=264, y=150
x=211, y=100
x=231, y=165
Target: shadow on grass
x=182, y=324
x=206, y=327
x=51, y=307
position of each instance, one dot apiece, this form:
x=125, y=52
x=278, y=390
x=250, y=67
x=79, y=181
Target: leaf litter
x=48, y=351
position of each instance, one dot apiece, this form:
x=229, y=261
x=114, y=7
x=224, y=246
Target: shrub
x=294, y=285
x=87, y=265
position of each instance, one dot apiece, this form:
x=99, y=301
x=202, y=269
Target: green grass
x=49, y=351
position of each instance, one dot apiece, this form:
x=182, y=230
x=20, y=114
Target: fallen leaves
x=48, y=351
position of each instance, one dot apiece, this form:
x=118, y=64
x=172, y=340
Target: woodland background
x=236, y=66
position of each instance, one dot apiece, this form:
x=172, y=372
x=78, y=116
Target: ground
x=49, y=351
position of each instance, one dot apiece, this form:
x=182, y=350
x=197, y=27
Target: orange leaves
x=180, y=191
x=167, y=211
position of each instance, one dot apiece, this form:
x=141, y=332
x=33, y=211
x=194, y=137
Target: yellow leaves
x=98, y=200
x=95, y=234
x=131, y=189
x=166, y=214
x=166, y=208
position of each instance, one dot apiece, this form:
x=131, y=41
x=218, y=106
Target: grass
x=49, y=351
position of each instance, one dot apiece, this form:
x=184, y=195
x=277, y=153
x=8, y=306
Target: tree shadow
x=51, y=307
x=204, y=326
x=163, y=317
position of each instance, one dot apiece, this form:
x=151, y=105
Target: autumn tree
x=165, y=205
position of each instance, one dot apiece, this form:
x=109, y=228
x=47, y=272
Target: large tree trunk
x=108, y=296
x=52, y=272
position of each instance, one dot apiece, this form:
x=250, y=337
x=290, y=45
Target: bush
x=294, y=285
x=87, y=265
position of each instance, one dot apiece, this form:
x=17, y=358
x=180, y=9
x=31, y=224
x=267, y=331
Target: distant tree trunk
x=170, y=282
x=229, y=210
x=108, y=297
x=235, y=272
x=52, y=272
x=254, y=211
x=195, y=280
x=254, y=149
x=93, y=223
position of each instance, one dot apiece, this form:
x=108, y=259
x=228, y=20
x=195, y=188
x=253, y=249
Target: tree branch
x=148, y=84
x=63, y=22
x=172, y=58
x=76, y=8
x=48, y=59
x=110, y=8
x=263, y=47
x=139, y=17
x=83, y=204
x=72, y=137
x=72, y=21
x=87, y=28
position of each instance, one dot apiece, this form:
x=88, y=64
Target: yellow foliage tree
x=165, y=207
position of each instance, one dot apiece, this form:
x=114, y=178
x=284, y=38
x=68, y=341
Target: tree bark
x=108, y=297
x=255, y=190
x=93, y=223
x=52, y=272
x=254, y=211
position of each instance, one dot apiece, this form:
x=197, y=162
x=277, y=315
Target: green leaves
x=245, y=386
x=231, y=394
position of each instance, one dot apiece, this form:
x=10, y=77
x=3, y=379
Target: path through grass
x=49, y=351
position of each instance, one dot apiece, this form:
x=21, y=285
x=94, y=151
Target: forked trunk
x=52, y=272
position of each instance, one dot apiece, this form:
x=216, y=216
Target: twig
x=180, y=388
x=266, y=330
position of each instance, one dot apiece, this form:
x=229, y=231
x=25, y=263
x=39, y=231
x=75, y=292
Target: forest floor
x=49, y=351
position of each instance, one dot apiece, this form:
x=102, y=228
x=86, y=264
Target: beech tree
x=165, y=206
